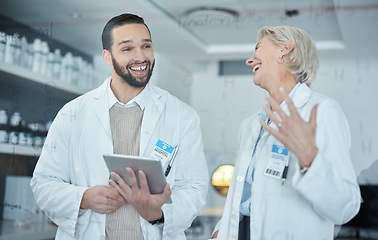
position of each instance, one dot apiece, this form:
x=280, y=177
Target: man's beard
x=130, y=79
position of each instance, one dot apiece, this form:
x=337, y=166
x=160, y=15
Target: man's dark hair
x=126, y=18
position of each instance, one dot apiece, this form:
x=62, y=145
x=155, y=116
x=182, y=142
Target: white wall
x=172, y=77
x=353, y=82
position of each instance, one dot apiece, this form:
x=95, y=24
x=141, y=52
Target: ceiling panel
x=213, y=27
x=188, y=38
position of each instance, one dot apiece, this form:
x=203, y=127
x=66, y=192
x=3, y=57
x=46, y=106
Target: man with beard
x=125, y=115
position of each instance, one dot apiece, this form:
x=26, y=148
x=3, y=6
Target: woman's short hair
x=303, y=59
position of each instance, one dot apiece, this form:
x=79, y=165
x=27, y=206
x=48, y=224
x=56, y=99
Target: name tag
x=162, y=151
x=279, y=157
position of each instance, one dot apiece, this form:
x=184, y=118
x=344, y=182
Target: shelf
x=7, y=148
x=13, y=74
x=33, y=231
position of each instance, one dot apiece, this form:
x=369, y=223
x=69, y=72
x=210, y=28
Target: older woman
x=293, y=174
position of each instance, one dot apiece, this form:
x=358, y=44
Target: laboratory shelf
x=15, y=149
x=13, y=74
x=34, y=230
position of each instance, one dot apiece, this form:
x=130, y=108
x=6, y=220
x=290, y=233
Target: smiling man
x=125, y=115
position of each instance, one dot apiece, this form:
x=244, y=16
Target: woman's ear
x=106, y=55
x=287, y=47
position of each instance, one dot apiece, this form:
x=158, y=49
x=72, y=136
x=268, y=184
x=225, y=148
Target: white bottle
x=69, y=67
x=37, y=55
x=44, y=51
x=24, y=53
x=57, y=63
x=17, y=50
x=50, y=64
x=84, y=75
x=3, y=42
x=30, y=56
x=15, y=119
x=75, y=70
x=3, y=127
x=9, y=50
x=22, y=134
x=63, y=65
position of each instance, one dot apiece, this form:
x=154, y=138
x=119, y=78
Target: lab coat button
x=240, y=178
x=234, y=216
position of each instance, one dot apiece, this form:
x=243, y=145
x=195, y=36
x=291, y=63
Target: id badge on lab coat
x=162, y=151
x=279, y=158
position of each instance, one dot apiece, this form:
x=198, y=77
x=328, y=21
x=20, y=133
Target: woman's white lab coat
x=306, y=206
x=72, y=161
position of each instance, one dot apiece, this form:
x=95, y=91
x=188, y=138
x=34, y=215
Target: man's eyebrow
x=130, y=41
x=124, y=42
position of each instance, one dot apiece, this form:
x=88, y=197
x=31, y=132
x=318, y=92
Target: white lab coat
x=306, y=206
x=72, y=161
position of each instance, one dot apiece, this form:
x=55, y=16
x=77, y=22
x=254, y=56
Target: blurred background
x=51, y=52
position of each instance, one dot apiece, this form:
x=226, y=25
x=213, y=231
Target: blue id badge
x=162, y=151
x=279, y=158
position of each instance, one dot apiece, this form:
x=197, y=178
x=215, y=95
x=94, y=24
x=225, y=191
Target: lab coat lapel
x=300, y=98
x=256, y=126
x=152, y=112
x=100, y=105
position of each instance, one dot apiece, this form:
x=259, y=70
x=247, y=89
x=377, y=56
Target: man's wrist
x=158, y=221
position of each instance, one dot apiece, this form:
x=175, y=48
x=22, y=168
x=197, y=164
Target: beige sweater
x=125, y=126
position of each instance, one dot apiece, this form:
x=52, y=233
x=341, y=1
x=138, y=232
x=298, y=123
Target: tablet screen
x=151, y=167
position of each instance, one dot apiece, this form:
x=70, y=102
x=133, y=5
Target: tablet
x=151, y=167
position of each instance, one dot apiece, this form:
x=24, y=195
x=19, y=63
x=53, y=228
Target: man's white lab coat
x=72, y=161
x=306, y=206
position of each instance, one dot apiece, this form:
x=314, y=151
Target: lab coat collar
x=262, y=112
x=140, y=99
x=300, y=98
x=153, y=108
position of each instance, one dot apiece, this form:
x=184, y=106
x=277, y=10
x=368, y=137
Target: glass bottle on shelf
x=15, y=121
x=9, y=50
x=17, y=50
x=3, y=42
x=57, y=63
x=37, y=55
x=4, y=128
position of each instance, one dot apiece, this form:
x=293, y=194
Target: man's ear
x=287, y=47
x=106, y=55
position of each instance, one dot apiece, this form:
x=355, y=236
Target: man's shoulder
x=79, y=105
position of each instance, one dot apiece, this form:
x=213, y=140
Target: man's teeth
x=255, y=68
x=139, y=68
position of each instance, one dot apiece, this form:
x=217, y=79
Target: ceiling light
x=201, y=11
